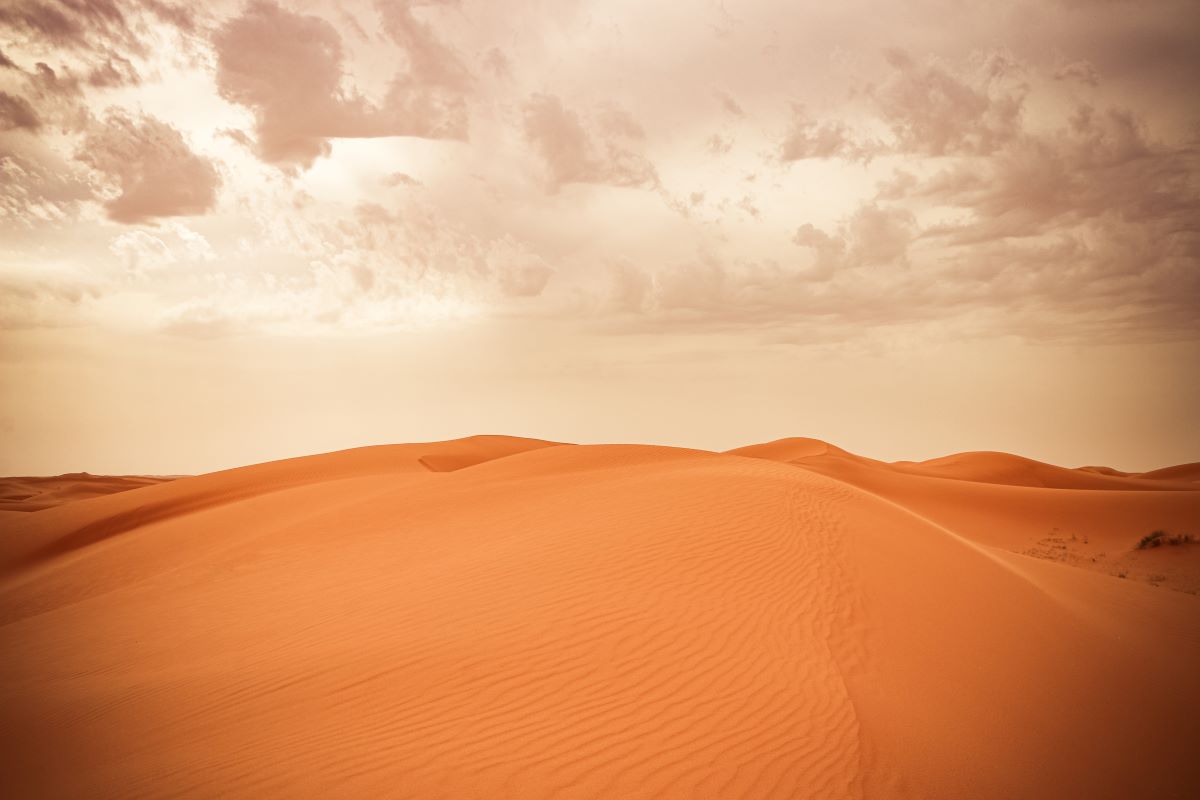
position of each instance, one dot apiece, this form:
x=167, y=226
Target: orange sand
x=34, y=494
x=507, y=618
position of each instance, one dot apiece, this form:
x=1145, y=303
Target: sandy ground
x=497, y=617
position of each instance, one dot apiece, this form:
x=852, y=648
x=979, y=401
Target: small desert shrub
x=1159, y=538
x=1151, y=540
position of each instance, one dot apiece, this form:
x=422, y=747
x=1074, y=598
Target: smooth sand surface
x=498, y=617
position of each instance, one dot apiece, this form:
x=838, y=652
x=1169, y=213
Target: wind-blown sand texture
x=497, y=617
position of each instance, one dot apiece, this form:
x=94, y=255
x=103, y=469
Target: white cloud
x=142, y=252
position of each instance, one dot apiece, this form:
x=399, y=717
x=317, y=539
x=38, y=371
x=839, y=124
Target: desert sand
x=497, y=617
x=36, y=493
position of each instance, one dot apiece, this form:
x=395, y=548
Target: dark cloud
x=178, y=14
x=46, y=82
x=90, y=24
x=1101, y=165
x=153, y=168
x=573, y=153
x=934, y=111
x=866, y=254
x=287, y=68
x=17, y=114
x=68, y=23
x=873, y=236
x=114, y=72
x=930, y=109
x=1096, y=216
x=1149, y=47
x=37, y=187
x=1090, y=233
x=430, y=62
x=808, y=138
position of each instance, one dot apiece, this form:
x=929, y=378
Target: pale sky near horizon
x=251, y=230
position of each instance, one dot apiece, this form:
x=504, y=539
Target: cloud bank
x=374, y=164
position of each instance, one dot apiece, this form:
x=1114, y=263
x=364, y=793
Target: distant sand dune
x=1013, y=470
x=998, y=499
x=506, y=618
x=1180, y=472
x=37, y=493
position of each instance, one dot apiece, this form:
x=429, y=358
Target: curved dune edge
x=527, y=620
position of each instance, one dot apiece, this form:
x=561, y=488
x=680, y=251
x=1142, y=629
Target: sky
x=237, y=231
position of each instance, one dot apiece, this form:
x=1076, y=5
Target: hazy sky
x=262, y=229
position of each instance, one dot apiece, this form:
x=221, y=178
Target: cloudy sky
x=234, y=231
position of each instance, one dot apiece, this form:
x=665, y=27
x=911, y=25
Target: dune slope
x=505, y=618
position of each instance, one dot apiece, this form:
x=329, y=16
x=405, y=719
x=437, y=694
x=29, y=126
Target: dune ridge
x=509, y=618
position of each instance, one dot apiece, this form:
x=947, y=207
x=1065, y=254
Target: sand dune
x=1005, y=468
x=36, y=493
x=507, y=618
x=1179, y=472
x=1001, y=500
